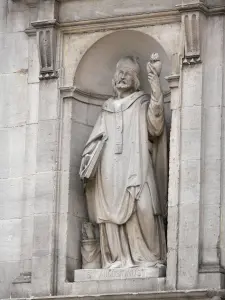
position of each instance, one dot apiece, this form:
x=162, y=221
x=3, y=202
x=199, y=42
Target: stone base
x=114, y=274
x=113, y=281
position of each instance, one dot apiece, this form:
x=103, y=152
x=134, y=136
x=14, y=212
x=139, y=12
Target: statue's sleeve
x=98, y=133
x=155, y=114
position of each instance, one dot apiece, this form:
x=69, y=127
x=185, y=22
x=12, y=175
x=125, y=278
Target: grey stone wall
x=44, y=125
x=78, y=10
x=17, y=135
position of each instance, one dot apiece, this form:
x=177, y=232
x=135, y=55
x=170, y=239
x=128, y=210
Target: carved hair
x=131, y=63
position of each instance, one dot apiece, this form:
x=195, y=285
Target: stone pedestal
x=114, y=274
x=113, y=281
x=55, y=73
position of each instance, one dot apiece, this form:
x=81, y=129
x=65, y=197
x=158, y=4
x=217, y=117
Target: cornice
x=128, y=21
x=193, y=7
x=219, y=10
x=122, y=22
x=45, y=24
x=201, y=7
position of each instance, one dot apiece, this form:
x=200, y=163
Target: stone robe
x=124, y=197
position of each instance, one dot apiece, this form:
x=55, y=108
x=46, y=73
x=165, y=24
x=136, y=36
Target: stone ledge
x=72, y=92
x=118, y=286
x=172, y=295
x=122, y=274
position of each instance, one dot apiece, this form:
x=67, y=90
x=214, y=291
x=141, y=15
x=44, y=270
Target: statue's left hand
x=153, y=77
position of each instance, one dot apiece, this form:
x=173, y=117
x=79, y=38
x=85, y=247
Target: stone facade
x=57, y=62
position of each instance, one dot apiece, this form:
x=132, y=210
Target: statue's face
x=124, y=79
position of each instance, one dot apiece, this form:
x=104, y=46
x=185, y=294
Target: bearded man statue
x=124, y=167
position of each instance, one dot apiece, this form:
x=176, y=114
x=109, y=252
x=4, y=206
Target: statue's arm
x=97, y=134
x=155, y=113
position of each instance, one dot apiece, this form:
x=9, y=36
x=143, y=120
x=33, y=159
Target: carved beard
x=123, y=85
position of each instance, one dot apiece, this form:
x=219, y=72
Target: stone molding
x=90, y=98
x=45, y=24
x=211, y=269
x=111, y=23
x=28, y=2
x=127, y=21
x=172, y=295
x=46, y=37
x=173, y=80
x=30, y=31
x=201, y=7
x=193, y=7
x=82, y=96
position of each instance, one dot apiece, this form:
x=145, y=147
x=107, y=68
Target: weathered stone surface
x=10, y=231
x=111, y=9
x=122, y=274
x=43, y=132
x=118, y=286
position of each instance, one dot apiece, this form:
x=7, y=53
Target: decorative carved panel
x=191, y=23
x=46, y=47
x=46, y=36
x=193, y=14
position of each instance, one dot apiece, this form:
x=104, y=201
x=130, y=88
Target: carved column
x=47, y=168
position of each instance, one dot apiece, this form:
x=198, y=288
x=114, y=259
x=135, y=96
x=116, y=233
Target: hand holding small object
x=154, y=65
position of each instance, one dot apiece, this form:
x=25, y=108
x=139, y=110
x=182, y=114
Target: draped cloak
x=130, y=184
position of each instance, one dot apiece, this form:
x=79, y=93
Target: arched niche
x=82, y=104
x=96, y=68
x=94, y=73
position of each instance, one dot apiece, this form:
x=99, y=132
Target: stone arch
x=82, y=104
x=96, y=68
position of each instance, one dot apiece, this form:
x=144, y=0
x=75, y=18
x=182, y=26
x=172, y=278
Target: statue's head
x=126, y=77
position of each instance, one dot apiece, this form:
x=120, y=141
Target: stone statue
x=124, y=168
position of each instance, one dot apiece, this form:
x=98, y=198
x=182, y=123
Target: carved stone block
x=46, y=41
x=192, y=15
x=191, y=22
x=46, y=48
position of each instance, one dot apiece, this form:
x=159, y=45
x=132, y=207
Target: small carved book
x=91, y=167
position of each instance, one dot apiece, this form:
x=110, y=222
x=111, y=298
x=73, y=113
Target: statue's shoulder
x=107, y=104
x=143, y=97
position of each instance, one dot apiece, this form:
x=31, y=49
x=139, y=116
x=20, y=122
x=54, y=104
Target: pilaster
x=211, y=267
x=47, y=168
x=198, y=239
x=190, y=158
